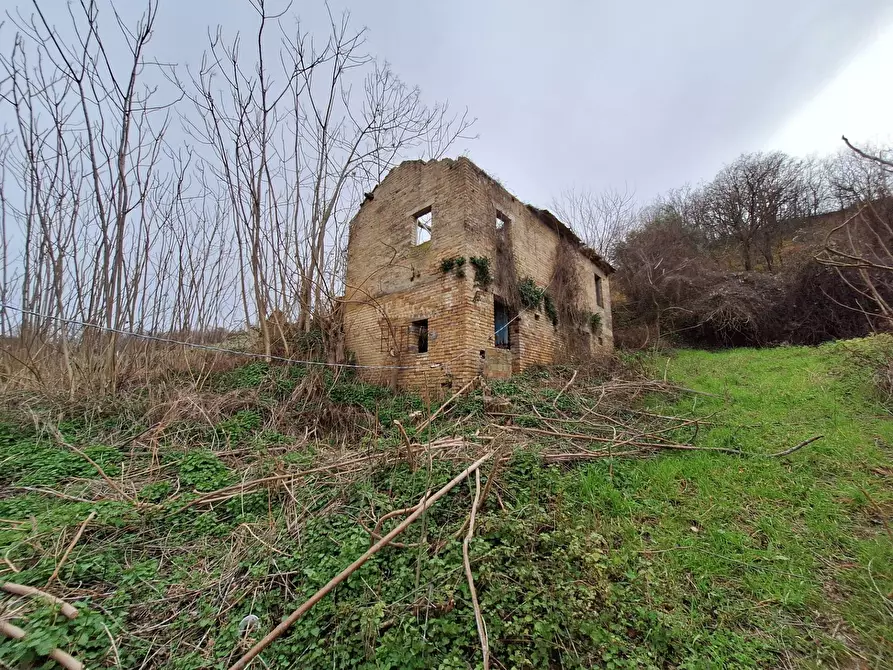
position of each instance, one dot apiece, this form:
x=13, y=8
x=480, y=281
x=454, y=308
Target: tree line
x=773, y=248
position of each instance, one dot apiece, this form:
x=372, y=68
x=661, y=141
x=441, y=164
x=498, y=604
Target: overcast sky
x=648, y=94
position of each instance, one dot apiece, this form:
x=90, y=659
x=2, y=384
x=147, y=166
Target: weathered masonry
x=450, y=276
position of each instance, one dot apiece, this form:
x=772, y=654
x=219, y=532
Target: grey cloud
x=647, y=93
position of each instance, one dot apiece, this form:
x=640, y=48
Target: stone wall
x=392, y=282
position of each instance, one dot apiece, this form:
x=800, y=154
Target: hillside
x=601, y=540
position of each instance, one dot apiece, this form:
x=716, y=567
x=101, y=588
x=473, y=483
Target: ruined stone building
x=450, y=276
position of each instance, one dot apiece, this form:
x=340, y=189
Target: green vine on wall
x=531, y=294
x=550, y=310
x=534, y=297
x=595, y=323
x=454, y=264
x=482, y=276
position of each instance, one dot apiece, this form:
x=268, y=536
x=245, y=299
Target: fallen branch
x=62, y=658
x=77, y=536
x=566, y=386
x=478, y=616
x=425, y=503
x=588, y=455
x=738, y=452
x=410, y=456
x=659, y=445
x=61, y=441
x=21, y=590
x=50, y=492
x=795, y=448
x=593, y=438
x=375, y=533
x=427, y=422
x=396, y=512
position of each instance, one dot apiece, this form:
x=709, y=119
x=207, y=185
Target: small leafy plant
x=550, y=309
x=531, y=294
x=482, y=275
x=203, y=471
x=595, y=323
x=454, y=264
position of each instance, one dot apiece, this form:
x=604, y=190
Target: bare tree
x=113, y=225
x=601, y=219
x=749, y=200
x=90, y=133
x=861, y=247
x=296, y=145
x=857, y=175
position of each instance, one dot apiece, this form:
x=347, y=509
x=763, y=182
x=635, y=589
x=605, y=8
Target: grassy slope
x=684, y=560
x=785, y=552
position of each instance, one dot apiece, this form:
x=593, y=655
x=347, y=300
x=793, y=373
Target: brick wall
x=392, y=282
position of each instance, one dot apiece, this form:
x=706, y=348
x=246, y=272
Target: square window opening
x=502, y=319
x=502, y=221
x=599, y=296
x=419, y=330
x=423, y=222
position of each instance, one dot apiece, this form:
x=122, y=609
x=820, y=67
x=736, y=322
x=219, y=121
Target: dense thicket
x=774, y=249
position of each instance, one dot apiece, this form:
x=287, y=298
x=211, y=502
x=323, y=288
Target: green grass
x=760, y=556
x=682, y=560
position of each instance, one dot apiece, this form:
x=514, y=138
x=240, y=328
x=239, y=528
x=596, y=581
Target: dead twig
x=29, y=591
x=62, y=658
x=266, y=544
x=114, y=646
x=61, y=441
x=74, y=541
x=410, y=456
x=50, y=492
x=478, y=616
x=658, y=445
x=393, y=513
x=344, y=574
x=561, y=392
x=792, y=449
x=427, y=422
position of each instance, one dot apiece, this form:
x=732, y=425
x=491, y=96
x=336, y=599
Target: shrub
x=454, y=264
x=550, y=309
x=595, y=323
x=670, y=286
x=482, y=276
x=531, y=294
x=203, y=471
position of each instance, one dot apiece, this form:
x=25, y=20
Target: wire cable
x=207, y=347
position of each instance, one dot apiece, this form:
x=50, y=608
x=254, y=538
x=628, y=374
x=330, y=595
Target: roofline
x=552, y=221
x=544, y=215
x=563, y=229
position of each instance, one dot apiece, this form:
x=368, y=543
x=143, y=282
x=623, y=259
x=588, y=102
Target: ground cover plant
x=207, y=508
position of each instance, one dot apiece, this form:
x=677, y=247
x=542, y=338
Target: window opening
x=599, y=298
x=423, y=221
x=501, y=321
x=501, y=221
x=420, y=330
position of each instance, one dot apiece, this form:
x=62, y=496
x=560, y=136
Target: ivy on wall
x=531, y=294
x=482, y=276
x=534, y=297
x=454, y=264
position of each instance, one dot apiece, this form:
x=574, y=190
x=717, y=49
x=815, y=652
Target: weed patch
x=673, y=559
